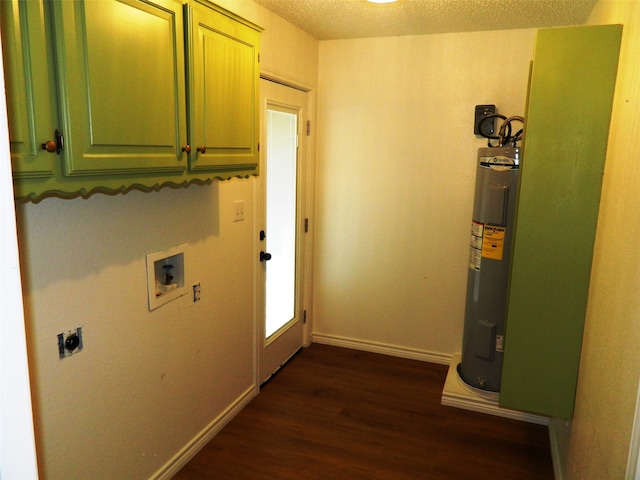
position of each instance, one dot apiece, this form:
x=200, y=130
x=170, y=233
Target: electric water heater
x=488, y=274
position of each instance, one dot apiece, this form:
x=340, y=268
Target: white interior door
x=283, y=148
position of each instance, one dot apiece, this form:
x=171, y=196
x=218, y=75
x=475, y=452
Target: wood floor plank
x=336, y=413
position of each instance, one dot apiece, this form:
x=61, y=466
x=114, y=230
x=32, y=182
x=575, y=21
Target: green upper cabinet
x=28, y=66
x=134, y=87
x=122, y=84
x=567, y=125
x=223, y=82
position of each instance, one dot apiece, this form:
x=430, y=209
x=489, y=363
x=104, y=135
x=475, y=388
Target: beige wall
x=286, y=51
x=610, y=362
x=147, y=383
x=395, y=178
x=395, y=185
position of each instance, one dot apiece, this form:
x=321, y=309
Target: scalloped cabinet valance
x=118, y=95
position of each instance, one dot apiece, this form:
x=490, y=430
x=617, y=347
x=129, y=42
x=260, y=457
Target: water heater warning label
x=475, y=254
x=493, y=242
x=487, y=241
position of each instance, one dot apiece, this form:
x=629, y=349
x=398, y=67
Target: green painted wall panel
x=567, y=125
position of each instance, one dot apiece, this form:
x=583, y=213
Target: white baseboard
x=456, y=394
x=201, y=439
x=559, y=433
x=383, y=348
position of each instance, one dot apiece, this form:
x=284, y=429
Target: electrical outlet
x=238, y=210
x=70, y=342
x=196, y=292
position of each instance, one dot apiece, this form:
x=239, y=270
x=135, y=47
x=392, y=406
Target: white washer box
x=165, y=276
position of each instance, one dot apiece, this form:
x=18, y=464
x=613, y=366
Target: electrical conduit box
x=165, y=276
x=481, y=126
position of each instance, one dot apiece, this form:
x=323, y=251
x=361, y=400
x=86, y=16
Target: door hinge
x=258, y=146
x=306, y=225
x=304, y=316
x=258, y=58
x=308, y=127
x=60, y=142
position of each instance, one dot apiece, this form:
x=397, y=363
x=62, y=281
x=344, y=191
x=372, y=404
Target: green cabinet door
x=122, y=88
x=27, y=67
x=223, y=82
x=567, y=124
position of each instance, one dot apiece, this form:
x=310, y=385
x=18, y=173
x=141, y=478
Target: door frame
x=18, y=456
x=306, y=204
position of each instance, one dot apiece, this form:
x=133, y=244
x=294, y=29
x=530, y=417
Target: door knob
x=265, y=257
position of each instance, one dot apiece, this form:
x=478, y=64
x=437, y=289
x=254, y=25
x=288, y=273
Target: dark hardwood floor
x=335, y=413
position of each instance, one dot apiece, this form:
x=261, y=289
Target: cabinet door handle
x=56, y=145
x=187, y=149
x=50, y=146
x=202, y=149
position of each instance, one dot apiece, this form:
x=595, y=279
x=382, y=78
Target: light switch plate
x=238, y=210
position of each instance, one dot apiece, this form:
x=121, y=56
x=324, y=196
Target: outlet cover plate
x=238, y=210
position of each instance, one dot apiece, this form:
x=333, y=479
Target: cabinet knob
x=50, y=146
x=187, y=148
x=202, y=149
x=56, y=145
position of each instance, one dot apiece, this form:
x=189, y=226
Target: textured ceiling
x=337, y=19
